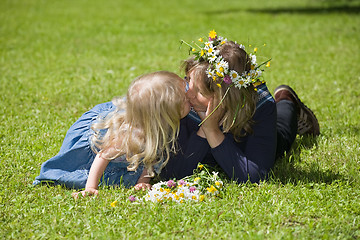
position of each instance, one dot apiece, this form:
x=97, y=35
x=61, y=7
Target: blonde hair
x=240, y=104
x=148, y=128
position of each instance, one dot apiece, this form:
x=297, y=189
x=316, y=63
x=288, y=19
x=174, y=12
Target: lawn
x=60, y=58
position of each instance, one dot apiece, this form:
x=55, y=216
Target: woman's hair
x=240, y=104
x=148, y=128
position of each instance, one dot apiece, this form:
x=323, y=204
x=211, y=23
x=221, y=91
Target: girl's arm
x=96, y=171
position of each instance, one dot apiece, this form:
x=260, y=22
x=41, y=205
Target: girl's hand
x=142, y=186
x=86, y=192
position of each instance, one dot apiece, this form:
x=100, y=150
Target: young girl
x=124, y=141
x=243, y=129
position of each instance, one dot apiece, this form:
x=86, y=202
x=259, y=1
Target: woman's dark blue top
x=249, y=159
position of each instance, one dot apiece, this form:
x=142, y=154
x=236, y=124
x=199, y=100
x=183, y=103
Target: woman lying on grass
x=243, y=129
x=124, y=141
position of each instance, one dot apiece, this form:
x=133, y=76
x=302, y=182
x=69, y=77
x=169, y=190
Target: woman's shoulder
x=266, y=106
x=264, y=96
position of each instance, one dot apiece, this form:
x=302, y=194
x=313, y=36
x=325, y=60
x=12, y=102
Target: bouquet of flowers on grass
x=200, y=186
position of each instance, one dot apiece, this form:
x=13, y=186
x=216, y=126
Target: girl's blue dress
x=71, y=166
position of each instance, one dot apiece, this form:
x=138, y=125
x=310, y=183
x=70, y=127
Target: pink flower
x=171, y=183
x=181, y=182
x=227, y=79
x=192, y=189
x=132, y=198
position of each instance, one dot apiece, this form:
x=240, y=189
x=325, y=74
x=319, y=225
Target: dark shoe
x=307, y=122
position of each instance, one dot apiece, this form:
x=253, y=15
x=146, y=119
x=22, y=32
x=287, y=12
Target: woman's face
x=197, y=100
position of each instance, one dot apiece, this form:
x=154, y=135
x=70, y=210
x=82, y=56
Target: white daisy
x=234, y=76
x=253, y=59
x=212, y=58
x=222, y=66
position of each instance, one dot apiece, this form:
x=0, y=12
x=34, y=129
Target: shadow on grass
x=289, y=169
x=309, y=10
x=331, y=8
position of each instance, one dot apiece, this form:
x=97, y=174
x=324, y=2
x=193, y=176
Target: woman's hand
x=213, y=115
x=210, y=128
x=142, y=186
x=86, y=192
x=143, y=182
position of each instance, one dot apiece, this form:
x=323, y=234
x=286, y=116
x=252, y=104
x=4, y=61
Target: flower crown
x=219, y=71
x=219, y=68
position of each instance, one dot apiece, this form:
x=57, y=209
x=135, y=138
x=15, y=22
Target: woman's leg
x=286, y=126
x=293, y=117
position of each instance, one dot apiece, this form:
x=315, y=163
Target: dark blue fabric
x=251, y=158
x=286, y=126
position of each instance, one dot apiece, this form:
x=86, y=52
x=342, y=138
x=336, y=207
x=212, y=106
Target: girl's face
x=197, y=100
x=186, y=106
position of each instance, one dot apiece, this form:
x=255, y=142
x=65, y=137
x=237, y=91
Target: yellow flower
x=193, y=49
x=255, y=49
x=211, y=189
x=201, y=198
x=201, y=39
x=193, y=197
x=202, y=53
x=210, y=50
x=218, y=84
x=256, y=84
x=219, y=74
x=268, y=64
x=221, y=69
x=223, y=42
x=167, y=190
x=200, y=166
x=196, y=180
x=114, y=203
x=212, y=34
x=181, y=195
x=217, y=183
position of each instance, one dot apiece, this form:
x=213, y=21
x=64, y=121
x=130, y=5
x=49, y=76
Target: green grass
x=60, y=58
